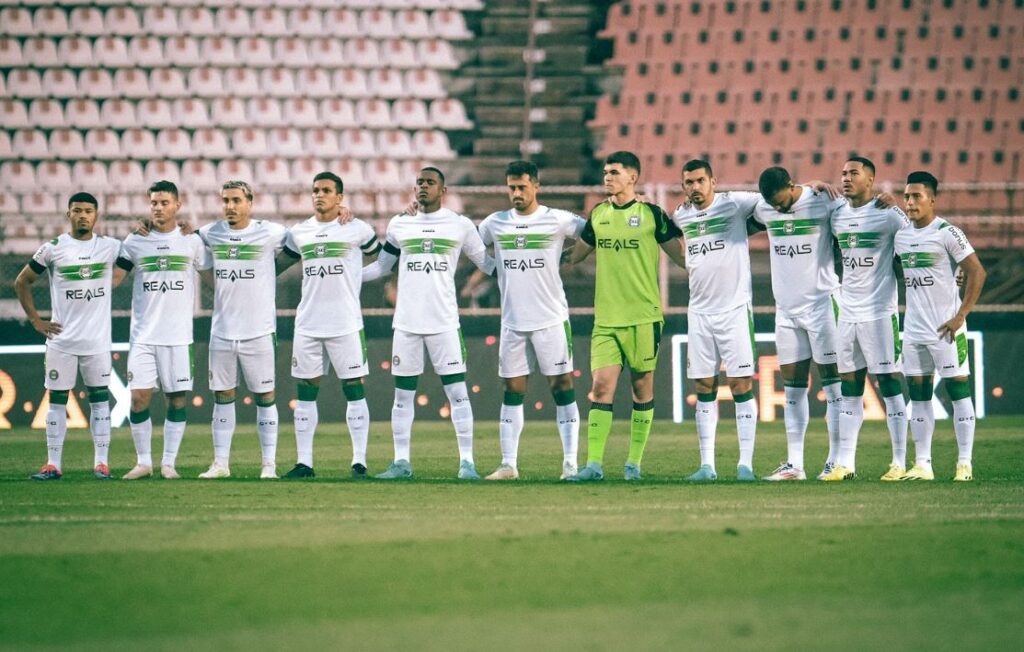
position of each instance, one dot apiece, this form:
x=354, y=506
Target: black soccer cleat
x=299, y=471
x=359, y=472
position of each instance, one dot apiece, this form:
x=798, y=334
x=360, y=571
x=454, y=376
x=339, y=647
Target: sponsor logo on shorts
x=454, y=363
x=54, y=374
x=269, y=381
x=744, y=366
x=355, y=366
x=562, y=363
x=182, y=380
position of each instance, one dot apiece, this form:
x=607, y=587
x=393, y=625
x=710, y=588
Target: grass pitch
x=437, y=564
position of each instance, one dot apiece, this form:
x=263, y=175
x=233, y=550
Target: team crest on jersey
x=233, y=252
x=54, y=374
x=162, y=263
x=428, y=246
x=789, y=228
x=85, y=271
x=633, y=221
x=702, y=228
x=520, y=242
x=911, y=260
x=853, y=240
x=320, y=250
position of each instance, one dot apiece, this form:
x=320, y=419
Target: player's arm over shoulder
x=664, y=228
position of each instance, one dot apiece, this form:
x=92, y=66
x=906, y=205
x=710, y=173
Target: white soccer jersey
x=929, y=257
x=717, y=253
x=866, y=239
x=164, y=288
x=80, y=287
x=800, y=247
x=527, y=252
x=429, y=246
x=332, y=259
x=245, y=280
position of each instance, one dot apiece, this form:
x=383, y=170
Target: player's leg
x=223, y=381
x=61, y=372
x=175, y=368
x=919, y=367
x=642, y=357
x=95, y=370
x=567, y=415
x=606, y=361
x=406, y=367
x=795, y=352
x=307, y=369
x=852, y=375
x=175, y=423
x=447, y=353
x=142, y=380
x=514, y=366
x=880, y=342
x=702, y=363
x=951, y=360
x=257, y=359
x=348, y=356
x=734, y=332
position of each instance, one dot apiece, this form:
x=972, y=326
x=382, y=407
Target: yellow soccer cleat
x=895, y=472
x=964, y=472
x=919, y=472
x=838, y=474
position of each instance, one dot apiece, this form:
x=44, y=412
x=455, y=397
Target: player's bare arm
x=674, y=250
x=23, y=288
x=974, y=275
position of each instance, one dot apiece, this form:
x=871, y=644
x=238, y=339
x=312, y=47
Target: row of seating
x=228, y=112
x=232, y=21
x=327, y=52
x=430, y=5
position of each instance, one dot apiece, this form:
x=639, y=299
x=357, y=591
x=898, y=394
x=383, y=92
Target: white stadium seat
x=285, y=142
x=183, y=51
x=90, y=174
x=362, y=53
x=234, y=169
x=424, y=83
x=385, y=173
x=40, y=203
x=314, y=83
x=67, y=144
x=25, y=83
x=86, y=21
x=432, y=145
x=14, y=115
x=351, y=172
x=117, y=203
x=265, y=112
x=300, y=112
x=199, y=175
x=350, y=83
x=43, y=52
x=11, y=54
x=139, y=144
x=270, y=21
x=60, y=83
x=249, y=143
x=264, y=204
x=322, y=143
x=197, y=21
x=387, y=83
x=218, y=51
x=305, y=22
x=83, y=113
x=400, y=53
x=17, y=175
x=75, y=52
x=211, y=143
x=327, y=52
x=272, y=172
x=160, y=21
x=206, y=82
x=98, y=83
x=233, y=21
x=293, y=203
x=337, y=113
x=242, y=82
x=111, y=51
x=358, y=143
x=103, y=144
x=127, y=175
x=46, y=114
x=437, y=54
x=17, y=21
x=168, y=83
x=410, y=113
x=228, y=112
x=342, y=22
x=51, y=21
x=190, y=113
x=449, y=114
x=54, y=175
x=395, y=144
x=291, y=52
x=122, y=21
x=161, y=169
x=118, y=114
x=377, y=24
x=278, y=82
x=30, y=144
x=174, y=143
x=450, y=25
x=373, y=114
x=155, y=114
x=254, y=51
x=131, y=83
x=304, y=169
x=413, y=23
x=146, y=52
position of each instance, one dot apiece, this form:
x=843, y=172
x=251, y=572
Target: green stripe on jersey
x=708, y=227
x=86, y=272
x=164, y=263
x=919, y=260
x=525, y=241
x=325, y=250
x=237, y=251
x=806, y=226
x=428, y=246
x=859, y=240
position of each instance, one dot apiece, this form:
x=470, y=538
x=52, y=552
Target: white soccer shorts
x=447, y=353
x=346, y=353
x=62, y=369
x=812, y=334
x=550, y=349
x=170, y=366
x=721, y=337
x=874, y=345
x=948, y=358
x=256, y=357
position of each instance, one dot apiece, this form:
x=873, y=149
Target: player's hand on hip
x=948, y=330
x=47, y=328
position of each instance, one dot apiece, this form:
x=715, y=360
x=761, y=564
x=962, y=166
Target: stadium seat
x=59, y=84
x=385, y=173
x=190, y=113
x=242, y=82
x=118, y=114
x=17, y=21
x=122, y=21
x=146, y=52
x=386, y=83
x=46, y=114
x=450, y=25
x=410, y=113
x=233, y=169
x=285, y=143
x=30, y=144
x=376, y=23
x=160, y=21
x=437, y=54
x=342, y=22
x=291, y=52
x=373, y=114
x=129, y=82
x=25, y=83
x=83, y=114
x=111, y=51
x=90, y=174
x=350, y=171
x=432, y=145
x=155, y=114
x=210, y=143
x=294, y=204
x=54, y=175
x=11, y=54
x=272, y=172
x=197, y=21
x=270, y=21
x=206, y=83
x=314, y=83
x=103, y=144
x=304, y=169
x=98, y=83
x=351, y=83
x=228, y=112
x=327, y=52
x=41, y=203
x=322, y=143
x=10, y=208
x=249, y=143
x=199, y=175
x=168, y=83
x=183, y=51
x=394, y=144
x=14, y=115
x=127, y=175
x=117, y=204
x=305, y=22
x=160, y=169
x=232, y=21
x=254, y=51
x=358, y=143
x=264, y=204
x=362, y=53
x=424, y=84
x=265, y=112
x=413, y=23
x=86, y=21
x=139, y=144
x=338, y=113
x=50, y=21
x=399, y=53
x=300, y=112
x=67, y=144
x=218, y=51
x=46, y=53
x=449, y=114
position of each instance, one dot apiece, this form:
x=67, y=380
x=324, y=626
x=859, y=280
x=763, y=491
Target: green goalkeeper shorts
x=635, y=347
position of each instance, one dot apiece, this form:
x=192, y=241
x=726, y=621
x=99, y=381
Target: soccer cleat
x=592, y=472
x=48, y=472
x=138, y=471
x=745, y=474
x=895, y=472
x=919, y=472
x=631, y=472
x=467, y=471
x=838, y=473
x=268, y=471
x=359, y=471
x=786, y=471
x=964, y=472
x=397, y=470
x=101, y=472
x=168, y=472
x=568, y=470
x=704, y=474
x=216, y=471
x=826, y=470
x=300, y=470
x=504, y=472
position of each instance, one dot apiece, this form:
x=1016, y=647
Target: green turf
x=438, y=564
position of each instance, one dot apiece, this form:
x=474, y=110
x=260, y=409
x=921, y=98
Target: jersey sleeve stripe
x=392, y=249
x=125, y=264
x=371, y=246
x=35, y=266
x=288, y=251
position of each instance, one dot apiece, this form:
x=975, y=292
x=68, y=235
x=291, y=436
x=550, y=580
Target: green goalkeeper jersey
x=627, y=238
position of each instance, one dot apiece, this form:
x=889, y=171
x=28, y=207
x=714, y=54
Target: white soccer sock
x=142, y=435
x=851, y=417
x=357, y=415
x=706, y=418
x=266, y=429
x=56, y=430
x=568, y=417
x=462, y=418
x=223, y=430
x=174, y=432
x=99, y=424
x=510, y=426
x=403, y=411
x=796, y=414
x=306, y=417
x=896, y=419
x=963, y=425
x=746, y=430
x=922, y=426
x=833, y=406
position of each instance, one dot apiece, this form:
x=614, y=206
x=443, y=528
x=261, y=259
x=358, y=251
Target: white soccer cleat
x=504, y=472
x=568, y=470
x=268, y=472
x=786, y=471
x=138, y=471
x=168, y=472
x=216, y=471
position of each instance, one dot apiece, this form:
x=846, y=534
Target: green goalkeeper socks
x=640, y=430
x=599, y=424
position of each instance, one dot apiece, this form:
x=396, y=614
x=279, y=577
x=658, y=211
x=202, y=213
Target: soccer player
x=720, y=323
x=242, y=253
x=935, y=322
x=535, y=332
x=805, y=286
x=329, y=317
x=426, y=247
x=163, y=301
x=869, y=331
x=627, y=307
x=82, y=275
